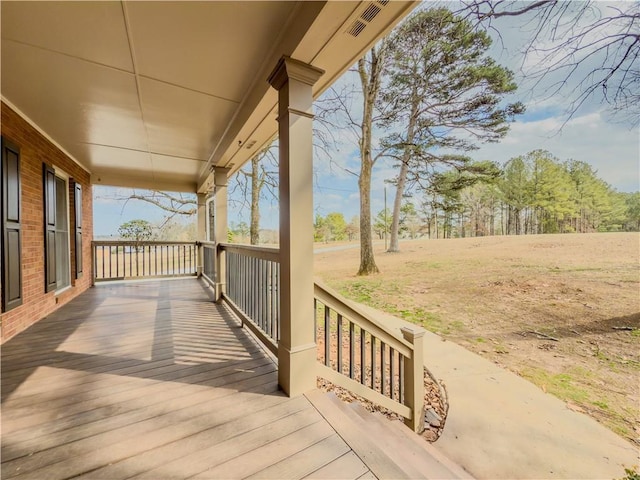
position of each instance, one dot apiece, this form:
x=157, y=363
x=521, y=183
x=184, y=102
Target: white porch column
x=296, y=349
x=201, y=217
x=220, y=233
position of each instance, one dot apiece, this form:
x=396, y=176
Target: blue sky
x=591, y=135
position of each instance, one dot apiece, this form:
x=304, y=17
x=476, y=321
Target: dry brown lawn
x=560, y=310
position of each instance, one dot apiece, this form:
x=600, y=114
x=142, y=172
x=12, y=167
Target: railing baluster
x=277, y=298
x=392, y=378
x=363, y=359
x=327, y=336
x=339, y=342
x=265, y=296
x=254, y=290
x=401, y=379
x=315, y=320
x=103, y=262
x=352, y=348
x=383, y=368
x=373, y=362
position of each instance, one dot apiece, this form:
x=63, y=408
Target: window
x=63, y=267
x=11, y=238
x=211, y=224
x=57, y=245
x=77, y=191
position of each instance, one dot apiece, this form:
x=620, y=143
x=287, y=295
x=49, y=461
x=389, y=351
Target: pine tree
x=446, y=92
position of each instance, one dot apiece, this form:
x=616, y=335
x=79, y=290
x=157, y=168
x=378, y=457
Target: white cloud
x=612, y=150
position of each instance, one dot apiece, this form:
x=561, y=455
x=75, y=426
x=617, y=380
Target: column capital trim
x=290, y=68
x=300, y=113
x=220, y=176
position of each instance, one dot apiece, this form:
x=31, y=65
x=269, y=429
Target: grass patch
x=562, y=385
x=426, y=265
x=631, y=474
x=428, y=320
x=602, y=405
x=374, y=294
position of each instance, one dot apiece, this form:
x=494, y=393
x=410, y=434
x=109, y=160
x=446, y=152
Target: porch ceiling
x=153, y=94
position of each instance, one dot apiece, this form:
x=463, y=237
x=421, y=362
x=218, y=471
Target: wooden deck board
x=240, y=449
x=152, y=380
x=283, y=443
x=346, y=467
x=306, y=461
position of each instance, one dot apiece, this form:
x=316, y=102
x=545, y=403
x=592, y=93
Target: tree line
x=532, y=194
x=536, y=193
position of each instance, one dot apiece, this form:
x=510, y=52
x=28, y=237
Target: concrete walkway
x=500, y=426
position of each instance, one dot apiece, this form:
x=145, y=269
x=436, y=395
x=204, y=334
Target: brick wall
x=35, y=150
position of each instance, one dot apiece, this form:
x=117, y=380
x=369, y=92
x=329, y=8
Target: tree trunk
x=367, y=260
x=402, y=176
x=397, y=204
x=256, y=186
x=370, y=81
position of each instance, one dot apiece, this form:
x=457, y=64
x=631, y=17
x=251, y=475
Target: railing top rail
x=121, y=243
x=206, y=243
x=360, y=317
x=266, y=253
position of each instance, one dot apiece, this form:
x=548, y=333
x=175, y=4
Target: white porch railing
x=122, y=260
x=252, y=289
x=355, y=350
x=359, y=353
x=208, y=254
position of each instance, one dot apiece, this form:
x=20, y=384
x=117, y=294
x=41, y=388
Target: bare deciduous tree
x=251, y=181
x=585, y=50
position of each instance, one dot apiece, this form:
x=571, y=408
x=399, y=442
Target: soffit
x=153, y=94
x=329, y=44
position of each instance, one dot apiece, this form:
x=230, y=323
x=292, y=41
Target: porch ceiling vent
x=356, y=28
x=366, y=17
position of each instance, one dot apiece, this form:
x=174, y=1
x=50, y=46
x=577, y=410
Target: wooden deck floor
x=153, y=380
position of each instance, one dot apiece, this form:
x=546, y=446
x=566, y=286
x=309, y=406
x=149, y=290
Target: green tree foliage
x=410, y=223
x=331, y=228
x=591, y=197
x=551, y=191
x=448, y=191
x=446, y=92
x=239, y=232
x=632, y=221
x=532, y=193
x=136, y=231
x=353, y=228
x=382, y=223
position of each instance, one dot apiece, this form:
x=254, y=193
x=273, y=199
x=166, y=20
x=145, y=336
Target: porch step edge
x=339, y=417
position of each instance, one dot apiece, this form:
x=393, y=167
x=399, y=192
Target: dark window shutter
x=78, y=239
x=49, y=175
x=11, y=227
